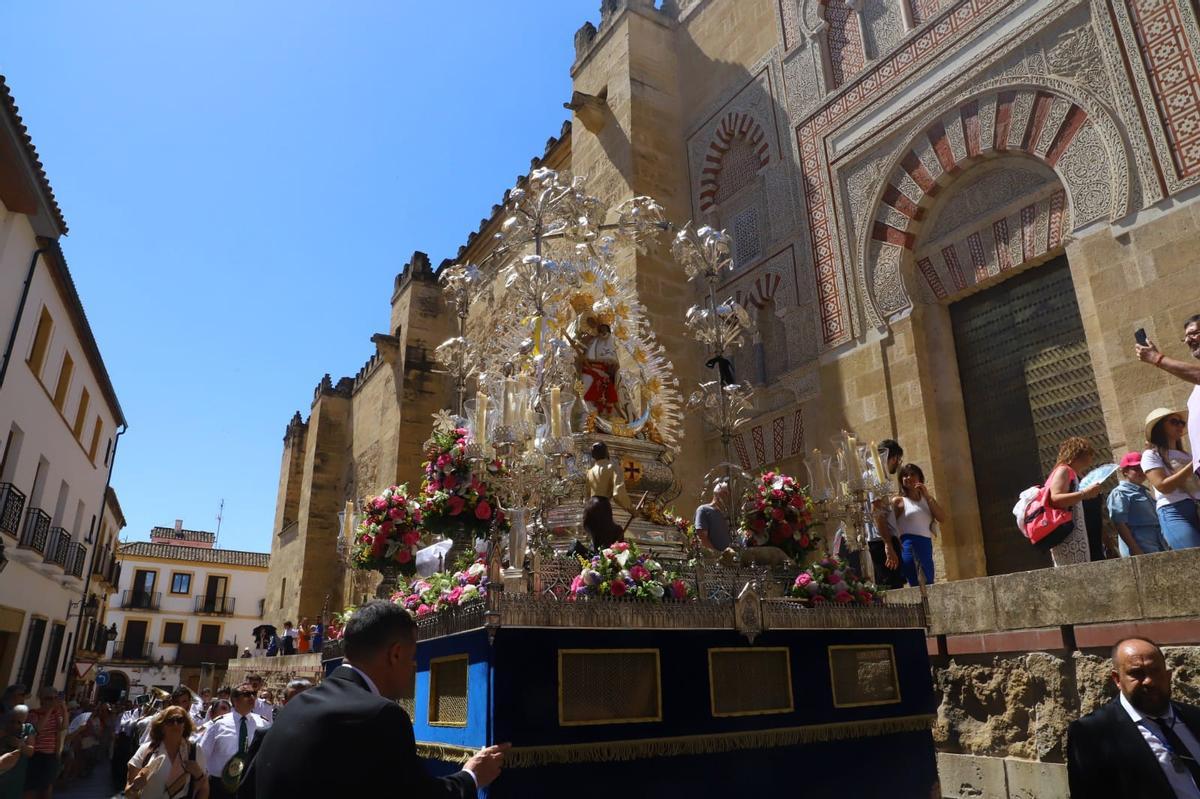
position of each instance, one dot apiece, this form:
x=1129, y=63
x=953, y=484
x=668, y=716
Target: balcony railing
x=215, y=605
x=12, y=502
x=133, y=650
x=36, y=531
x=76, y=558
x=57, y=543
x=197, y=654
x=140, y=600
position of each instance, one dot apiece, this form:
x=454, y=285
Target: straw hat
x=1157, y=415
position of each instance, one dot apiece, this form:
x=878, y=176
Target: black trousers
x=885, y=577
x=216, y=789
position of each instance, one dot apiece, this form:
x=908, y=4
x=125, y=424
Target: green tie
x=242, y=735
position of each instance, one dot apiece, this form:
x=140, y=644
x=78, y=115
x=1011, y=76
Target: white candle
x=853, y=467
x=481, y=404
x=555, y=412
x=880, y=472
x=509, y=401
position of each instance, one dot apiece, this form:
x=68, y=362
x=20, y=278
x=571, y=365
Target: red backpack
x=1046, y=526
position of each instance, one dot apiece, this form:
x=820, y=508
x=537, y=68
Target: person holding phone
x=1189, y=373
x=1168, y=469
x=168, y=766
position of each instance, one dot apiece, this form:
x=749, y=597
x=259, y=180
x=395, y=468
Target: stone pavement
x=96, y=786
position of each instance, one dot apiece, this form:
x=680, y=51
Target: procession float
x=563, y=607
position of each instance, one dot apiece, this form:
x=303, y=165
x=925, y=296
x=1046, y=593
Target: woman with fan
x=168, y=766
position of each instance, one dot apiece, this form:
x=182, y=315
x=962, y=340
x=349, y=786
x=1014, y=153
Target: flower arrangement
x=442, y=590
x=779, y=513
x=452, y=497
x=669, y=518
x=622, y=571
x=831, y=580
x=389, y=535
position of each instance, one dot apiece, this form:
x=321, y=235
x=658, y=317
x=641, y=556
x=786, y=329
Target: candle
x=555, y=412
x=880, y=472
x=818, y=474
x=481, y=404
x=508, y=401
x=853, y=467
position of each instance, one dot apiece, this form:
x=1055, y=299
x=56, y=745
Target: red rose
x=758, y=523
x=450, y=482
x=804, y=541
x=483, y=511
x=617, y=588
x=777, y=514
x=455, y=503
x=403, y=555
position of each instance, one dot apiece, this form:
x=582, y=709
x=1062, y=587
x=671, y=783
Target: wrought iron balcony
x=215, y=605
x=76, y=558
x=133, y=650
x=36, y=532
x=12, y=502
x=57, y=543
x=198, y=654
x=140, y=600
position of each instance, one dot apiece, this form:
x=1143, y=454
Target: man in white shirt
x=1141, y=745
x=261, y=706
x=227, y=740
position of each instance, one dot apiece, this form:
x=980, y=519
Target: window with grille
x=448, y=691
x=608, y=686
x=750, y=682
x=863, y=675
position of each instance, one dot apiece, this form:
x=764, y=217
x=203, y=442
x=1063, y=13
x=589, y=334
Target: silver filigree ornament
x=704, y=252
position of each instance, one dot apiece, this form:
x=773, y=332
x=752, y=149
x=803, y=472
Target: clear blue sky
x=243, y=180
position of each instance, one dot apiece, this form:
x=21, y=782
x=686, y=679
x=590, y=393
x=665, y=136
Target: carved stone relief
x=888, y=289
x=980, y=195
x=1086, y=167
x=803, y=80
x=883, y=25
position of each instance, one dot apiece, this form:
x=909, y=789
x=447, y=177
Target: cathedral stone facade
x=948, y=218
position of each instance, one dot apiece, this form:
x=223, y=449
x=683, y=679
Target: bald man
x=1141, y=745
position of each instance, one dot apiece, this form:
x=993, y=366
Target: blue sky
x=243, y=181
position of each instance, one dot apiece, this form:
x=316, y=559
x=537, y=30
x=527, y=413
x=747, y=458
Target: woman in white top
x=916, y=510
x=1168, y=469
x=168, y=766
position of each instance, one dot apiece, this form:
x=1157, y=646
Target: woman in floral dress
x=1075, y=457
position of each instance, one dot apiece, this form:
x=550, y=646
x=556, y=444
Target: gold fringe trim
x=644, y=748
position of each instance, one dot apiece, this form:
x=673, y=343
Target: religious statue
x=605, y=485
x=599, y=371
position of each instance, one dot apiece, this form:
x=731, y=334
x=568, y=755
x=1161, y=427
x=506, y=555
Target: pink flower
x=639, y=573
x=835, y=578
x=620, y=546
x=768, y=477
x=385, y=529
x=679, y=589
x=617, y=587
x=396, y=514
x=776, y=494
x=483, y=510
x=577, y=584
x=443, y=461
x=455, y=503
x=450, y=482
x=803, y=579
x=455, y=595
x=411, y=538
x=760, y=504
x=404, y=555
x=423, y=609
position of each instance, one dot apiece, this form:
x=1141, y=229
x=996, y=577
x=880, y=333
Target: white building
x=181, y=611
x=59, y=422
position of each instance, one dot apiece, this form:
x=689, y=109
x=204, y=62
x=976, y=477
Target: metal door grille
x=448, y=692
x=613, y=686
x=1027, y=384
x=747, y=682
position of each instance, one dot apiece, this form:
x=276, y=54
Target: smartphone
x=1139, y=336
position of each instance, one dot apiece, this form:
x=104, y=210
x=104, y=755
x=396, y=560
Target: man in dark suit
x=1141, y=745
x=349, y=737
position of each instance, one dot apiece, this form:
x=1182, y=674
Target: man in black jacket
x=349, y=737
x=1141, y=745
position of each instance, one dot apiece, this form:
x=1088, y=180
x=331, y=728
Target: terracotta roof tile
x=184, y=535
x=229, y=557
x=10, y=107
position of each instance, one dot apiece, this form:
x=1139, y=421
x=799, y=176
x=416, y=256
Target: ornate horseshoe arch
x=1053, y=121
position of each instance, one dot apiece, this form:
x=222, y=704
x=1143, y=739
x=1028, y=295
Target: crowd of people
x=292, y=641
x=159, y=745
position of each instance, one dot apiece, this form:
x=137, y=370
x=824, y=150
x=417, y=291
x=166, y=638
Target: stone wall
x=1016, y=658
x=276, y=672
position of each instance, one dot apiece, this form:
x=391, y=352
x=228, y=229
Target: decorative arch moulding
x=1045, y=119
x=734, y=127
x=879, y=77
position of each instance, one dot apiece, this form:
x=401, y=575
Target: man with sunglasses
x=1141, y=745
x=226, y=742
x=1187, y=372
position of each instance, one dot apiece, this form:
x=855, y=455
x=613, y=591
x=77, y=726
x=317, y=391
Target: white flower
x=443, y=422
x=655, y=590
x=622, y=558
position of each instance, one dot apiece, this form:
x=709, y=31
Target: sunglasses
x=1176, y=421
x=173, y=720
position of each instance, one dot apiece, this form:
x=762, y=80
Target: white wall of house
x=46, y=451
x=246, y=590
